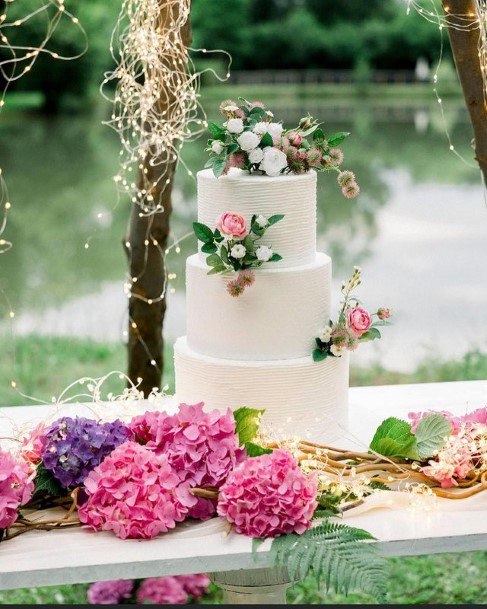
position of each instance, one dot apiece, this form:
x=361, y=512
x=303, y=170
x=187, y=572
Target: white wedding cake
x=255, y=350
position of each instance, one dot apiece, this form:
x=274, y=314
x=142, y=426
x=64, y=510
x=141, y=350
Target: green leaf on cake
x=372, y=334
x=219, y=165
x=216, y=269
x=431, y=433
x=248, y=243
x=232, y=148
x=267, y=140
x=275, y=258
x=337, y=138
x=214, y=260
x=217, y=235
x=224, y=255
x=319, y=355
x=247, y=423
x=275, y=219
x=216, y=131
x=209, y=248
x=203, y=232
x=254, y=450
x=393, y=438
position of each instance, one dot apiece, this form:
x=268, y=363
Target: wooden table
x=76, y=555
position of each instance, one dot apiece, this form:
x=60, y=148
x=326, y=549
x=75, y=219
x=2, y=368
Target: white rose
x=260, y=128
x=235, y=125
x=217, y=146
x=248, y=140
x=261, y=221
x=274, y=129
x=274, y=161
x=263, y=253
x=238, y=251
x=325, y=334
x=256, y=155
x=337, y=351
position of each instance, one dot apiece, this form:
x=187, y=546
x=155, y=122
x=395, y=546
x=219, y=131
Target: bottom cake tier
x=300, y=397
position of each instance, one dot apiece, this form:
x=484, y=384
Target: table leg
x=253, y=586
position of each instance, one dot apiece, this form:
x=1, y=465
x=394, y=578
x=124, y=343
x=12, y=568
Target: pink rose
x=295, y=139
x=232, y=225
x=383, y=313
x=358, y=320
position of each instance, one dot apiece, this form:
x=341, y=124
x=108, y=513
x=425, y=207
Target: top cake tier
x=294, y=196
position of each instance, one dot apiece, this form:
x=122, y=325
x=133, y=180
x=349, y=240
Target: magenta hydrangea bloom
x=111, y=592
x=16, y=487
x=133, y=493
x=195, y=586
x=162, y=591
x=73, y=447
x=201, y=446
x=268, y=496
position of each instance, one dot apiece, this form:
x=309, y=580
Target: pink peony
x=111, y=592
x=195, y=586
x=161, y=591
x=359, y=320
x=295, y=139
x=133, y=492
x=201, y=447
x=233, y=225
x=383, y=313
x=33, y=444
x=16, y=487
x=268, y=496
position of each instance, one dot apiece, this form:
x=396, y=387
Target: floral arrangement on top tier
x=355, y=324
x=233, y=247
x=250, y=139
x=140, y=478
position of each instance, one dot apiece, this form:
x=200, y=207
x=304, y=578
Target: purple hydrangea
x=111, y=592
x=75, y=446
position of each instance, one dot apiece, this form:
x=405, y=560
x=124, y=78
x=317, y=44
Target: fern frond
x=341, y=556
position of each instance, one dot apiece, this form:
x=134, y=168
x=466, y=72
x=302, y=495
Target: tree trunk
x=465, y=47
x=147, y=239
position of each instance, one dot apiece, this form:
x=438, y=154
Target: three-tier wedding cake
x=255, y=350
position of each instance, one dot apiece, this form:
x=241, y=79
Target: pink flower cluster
x=477, y=416
x=201, y=447
x=33, y=444
x=16, y=487
x=268, y=496
x=237, y=286
x=111, y=592
x=133, y=492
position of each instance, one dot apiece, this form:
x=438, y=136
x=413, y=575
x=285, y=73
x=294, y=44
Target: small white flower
x=325, y=334
x=248, y=140
x=261, y=221
x=217, y=146
x=238, y=251
x=260, y=128
x=263, y=253
x=274, y=161
x=337, y=350
x=235, y=125
x=274, y=129
x=256, y=155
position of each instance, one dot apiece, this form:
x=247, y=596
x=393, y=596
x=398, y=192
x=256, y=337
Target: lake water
x=418, y=230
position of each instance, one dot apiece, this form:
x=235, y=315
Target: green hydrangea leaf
x=393, y=438
x=254, y=450
x=431, y=433
x=247, y=423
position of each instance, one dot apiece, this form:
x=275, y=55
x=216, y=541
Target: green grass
x=46, y=365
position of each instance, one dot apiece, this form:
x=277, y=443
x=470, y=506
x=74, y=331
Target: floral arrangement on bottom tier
x=140, y=478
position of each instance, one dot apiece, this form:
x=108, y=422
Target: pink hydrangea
x=134, y=493
x=268, y=496
x=110, y=592
x=453, y=461
x=196, y=585
x=16, y=487
x=33, y=444
x=162, y=591
x=202, y=447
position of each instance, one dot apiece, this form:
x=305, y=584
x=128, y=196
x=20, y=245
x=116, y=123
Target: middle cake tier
x=278, y=317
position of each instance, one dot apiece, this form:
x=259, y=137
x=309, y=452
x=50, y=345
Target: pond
x=418, y=230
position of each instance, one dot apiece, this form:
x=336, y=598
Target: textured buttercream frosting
x=276, y=318
x=294, y=237
x=301, y=397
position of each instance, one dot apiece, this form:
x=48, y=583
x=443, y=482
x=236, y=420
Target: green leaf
x=224, y=255
x=216, y=130
x=319, y=355
x=203, y=232
x=309, y=131
x=218, y=166
x=254, y=450
x=214, y=260
x=341, y=556
x=233, y=148
x=431, y=433
x=393, y=438
x=217, y=235
x=275, y=219
x=337, y=138
x=275, y=258
x=247, y=423
x=267, y=140
x=216, y=269
x=248, y=243
x=372, y=334
x=209, y=248
x=318, y=135
x=45, y=483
